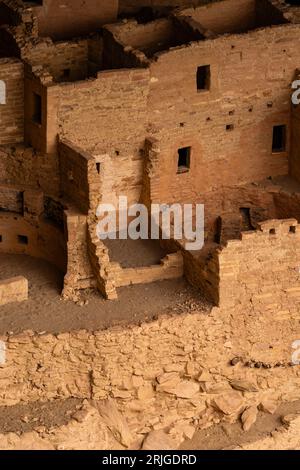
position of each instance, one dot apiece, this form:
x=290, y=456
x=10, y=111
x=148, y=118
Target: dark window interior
x=203, y=77
x=66, y=74
x=23, y=239
x=218, y=230
x=245, y=219
x=184, y=159
x=279, y=138
x=37, y=108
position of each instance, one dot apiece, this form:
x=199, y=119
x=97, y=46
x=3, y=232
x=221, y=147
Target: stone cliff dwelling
x=162, y=105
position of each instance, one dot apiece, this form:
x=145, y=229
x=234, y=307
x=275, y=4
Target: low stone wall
x=13, y=290
x=171, y=267
x=263, y=268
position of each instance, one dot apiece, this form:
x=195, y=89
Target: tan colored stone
x=243, y=385
x=145, y=392
x=184, y=389
x=158, y=440
x=228, y=403
x=115, y=422
x=268, y=406
x=249, y=417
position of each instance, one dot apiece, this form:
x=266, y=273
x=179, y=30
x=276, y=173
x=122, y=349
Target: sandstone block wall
x=74, y=174
x=71, y=56
x=13, y=290
x=79, y=272
x=12, y=111
x=262, y=268
x=248, y=95
x=88, y=114
x=295, y=146
x=171, y=267
x=11, y=199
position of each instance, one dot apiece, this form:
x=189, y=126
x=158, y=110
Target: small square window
x=229, y=127
x=23, y=239
x=203, y=77
x=279, y=139
x=184, y=159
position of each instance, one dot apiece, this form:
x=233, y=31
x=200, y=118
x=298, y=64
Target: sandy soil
x=226, y=435
x=45, y=311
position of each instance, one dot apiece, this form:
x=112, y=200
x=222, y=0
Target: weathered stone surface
x=158, y=440
x=268, y=406
x=115, y=422
x=249, y=417
x=243, y=385
x=184, y=389
x=228, y=403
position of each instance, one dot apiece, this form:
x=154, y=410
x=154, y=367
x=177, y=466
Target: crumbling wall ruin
x=169, y=373
x=262, y=269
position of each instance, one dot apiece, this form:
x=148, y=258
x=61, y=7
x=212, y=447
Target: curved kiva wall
x=41, y=240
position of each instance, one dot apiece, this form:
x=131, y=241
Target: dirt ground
x=45, y=311
x=135, y=253
x=226, y=435
x=25, y=417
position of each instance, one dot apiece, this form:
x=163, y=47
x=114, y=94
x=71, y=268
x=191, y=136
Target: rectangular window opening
x=245, y=215
x=203, y=77
x=1, y=239
x=66, y=74
x=98, y=168
x=37, y=108
x=23, y=239
x=279, y=139
x=184, y=159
